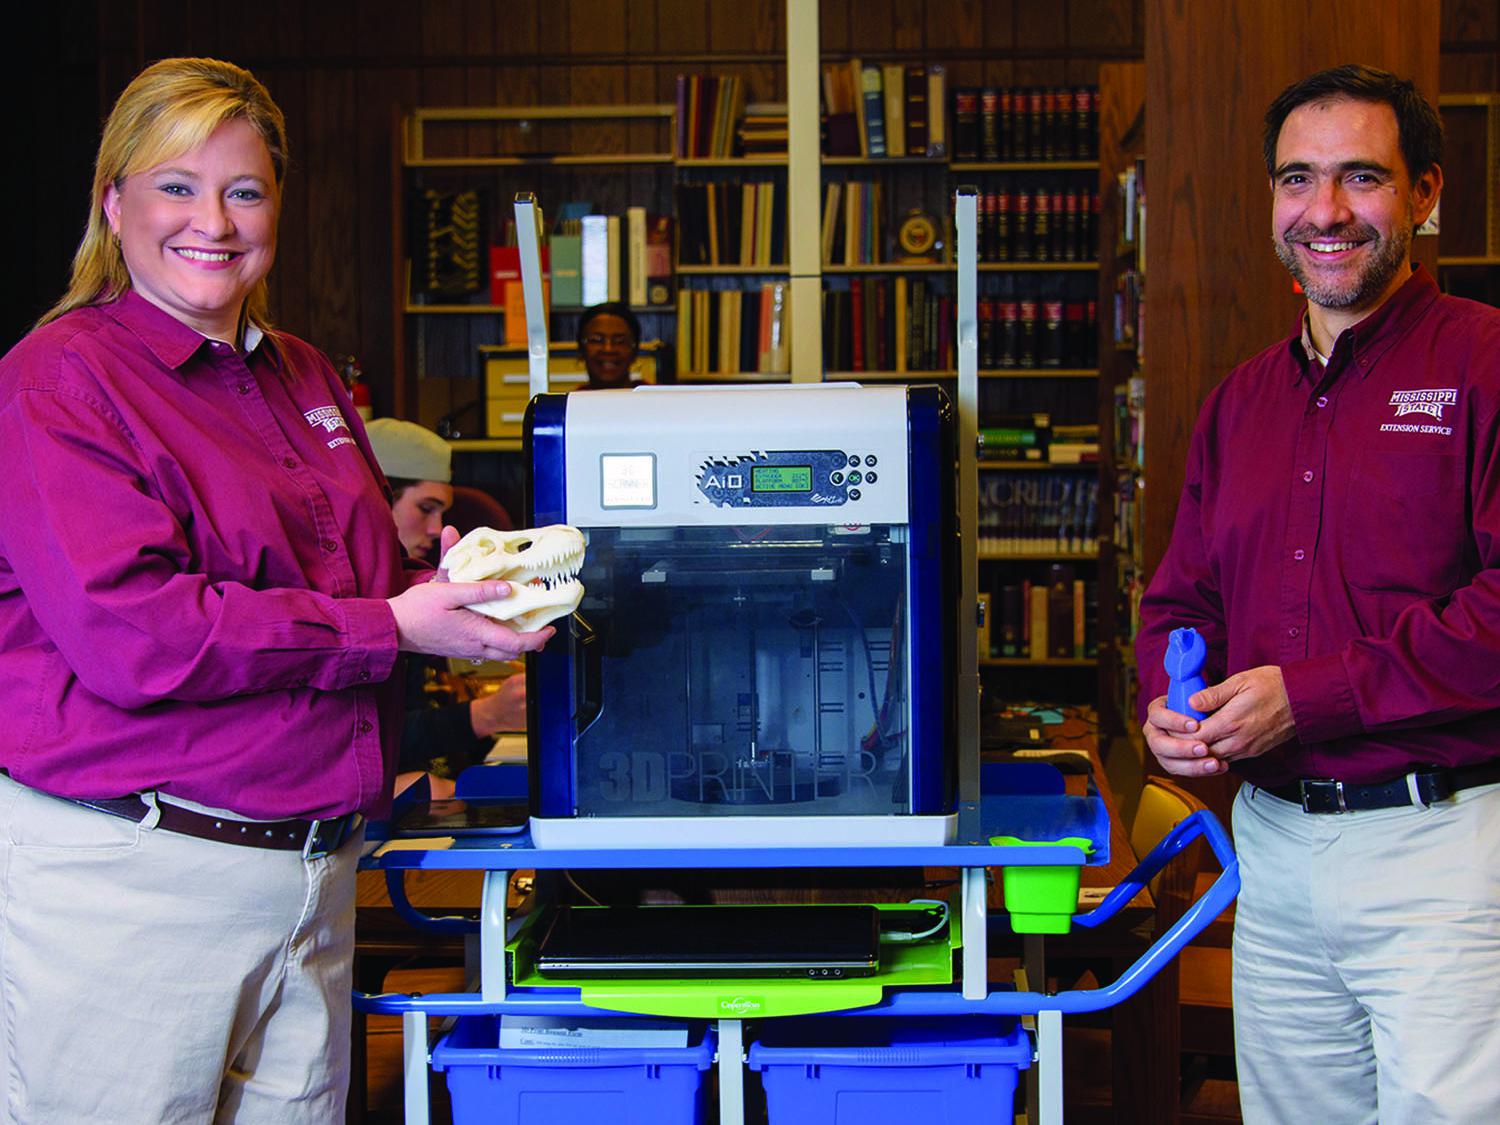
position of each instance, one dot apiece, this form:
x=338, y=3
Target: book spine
x=989, y=123
x=635, y=222
x=966, y=124
x=874, y=101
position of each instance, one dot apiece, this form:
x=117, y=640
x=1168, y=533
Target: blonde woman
x=202, y=603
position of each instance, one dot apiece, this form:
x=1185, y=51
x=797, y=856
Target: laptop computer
x=820, y=942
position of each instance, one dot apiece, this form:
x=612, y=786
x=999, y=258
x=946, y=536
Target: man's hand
x=1248, y=714
x=1174, y=739
x=432, y=618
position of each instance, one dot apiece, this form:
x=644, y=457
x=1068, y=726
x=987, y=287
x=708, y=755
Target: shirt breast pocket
x=1405, y=522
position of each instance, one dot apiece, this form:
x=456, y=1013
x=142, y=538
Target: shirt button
x=330, y=546
x=364, y=726
x=1308, y=476
x=1322, y=401
x=364, y=674
x=1299, y=554
x=288, y=462
x=1293, y=631
x=243, y=388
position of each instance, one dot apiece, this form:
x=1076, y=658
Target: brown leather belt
x=313, y=838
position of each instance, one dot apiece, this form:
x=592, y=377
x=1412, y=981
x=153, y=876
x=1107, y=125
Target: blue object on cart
x=889, y=1072
x=1183, y=662
x=562, y=1085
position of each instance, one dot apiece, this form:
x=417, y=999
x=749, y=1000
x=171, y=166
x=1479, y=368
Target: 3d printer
x=766, y=649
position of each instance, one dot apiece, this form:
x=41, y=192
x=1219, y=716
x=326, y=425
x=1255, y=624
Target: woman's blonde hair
x=169, y=108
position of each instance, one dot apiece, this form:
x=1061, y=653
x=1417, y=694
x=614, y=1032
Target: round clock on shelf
x=917, y=237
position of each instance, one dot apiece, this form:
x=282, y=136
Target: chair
x=1196, y=984
x=1205, y=1028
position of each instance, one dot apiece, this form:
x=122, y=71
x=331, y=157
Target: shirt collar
x=170, y=340
x=1376, y=332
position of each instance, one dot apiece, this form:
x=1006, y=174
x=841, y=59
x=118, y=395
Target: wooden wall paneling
x=681, y=27
x=332, y=213
x=959, y=25
x=641, y=27
x=288, y=280
x=1041, y=27
x=555, y=28
x=380, y=93
x=331, y=30
x=833, y=27
x=554, y=87
x=907, y=27
x=1104, y=25
x=386, y=31
x=1216, y=294
x=1465, y=142
x=870, y=25
x=599, y=27
x=738, y=26
x=517, y=25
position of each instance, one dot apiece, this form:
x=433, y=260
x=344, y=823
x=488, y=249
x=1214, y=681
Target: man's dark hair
x=1420, y=129
x=609, y=308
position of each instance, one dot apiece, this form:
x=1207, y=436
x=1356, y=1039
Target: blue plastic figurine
x=1183, y=661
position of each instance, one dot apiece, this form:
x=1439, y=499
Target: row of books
x=1050, y=223
x=1055, y=617
x=762, y=134
x=853, y=230
x=586, y=260
x=885, y=110
x=995, y=123
x=888, y=324
x=708, y=110
x=1017, y=439
x=1033, y=332
x=732, y=224
x=733, y=331
x=1038, y=513
x=1130, y=422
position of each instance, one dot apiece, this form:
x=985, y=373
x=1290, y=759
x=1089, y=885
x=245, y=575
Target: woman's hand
x=432, y=617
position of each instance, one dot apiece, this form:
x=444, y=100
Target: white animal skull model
x=540, y=563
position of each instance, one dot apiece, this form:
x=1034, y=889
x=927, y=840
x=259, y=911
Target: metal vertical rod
x=804, y=192
x=965, y=228
x=731, y=1072
x=414, y=1067
x=975, y=984
x=1049, y=1063
x=528, y=224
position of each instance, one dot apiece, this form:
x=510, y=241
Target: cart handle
x=395, y=886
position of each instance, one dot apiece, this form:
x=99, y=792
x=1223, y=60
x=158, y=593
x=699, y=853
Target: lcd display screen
x=781, y=478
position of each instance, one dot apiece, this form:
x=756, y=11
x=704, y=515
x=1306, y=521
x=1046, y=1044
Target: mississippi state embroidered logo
x=331, y=418
x=1424, y=402
x=1429, y=402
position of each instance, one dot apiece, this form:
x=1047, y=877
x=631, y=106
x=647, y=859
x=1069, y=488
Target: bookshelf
x=1122, y=404
x=1468, y=262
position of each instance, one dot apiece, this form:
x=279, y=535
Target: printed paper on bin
x=568, y=1031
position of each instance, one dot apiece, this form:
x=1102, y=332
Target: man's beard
x=1390, y=255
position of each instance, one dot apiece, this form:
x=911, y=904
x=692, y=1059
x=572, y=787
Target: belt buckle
x=1327, y=792
x=337, y=828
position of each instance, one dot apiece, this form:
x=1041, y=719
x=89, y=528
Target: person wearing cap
x=443, y=740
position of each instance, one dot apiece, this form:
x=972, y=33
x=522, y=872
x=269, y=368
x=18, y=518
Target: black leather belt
x=1420, y=787
x=313, y=838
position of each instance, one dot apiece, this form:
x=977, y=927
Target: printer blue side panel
x=549, y=697
x=934, y=592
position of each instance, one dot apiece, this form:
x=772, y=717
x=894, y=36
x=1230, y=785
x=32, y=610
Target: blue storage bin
x=875, y=1071
x=588, y=1085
